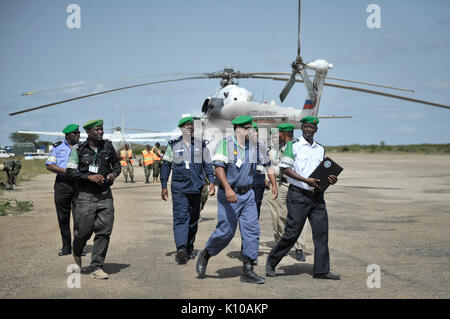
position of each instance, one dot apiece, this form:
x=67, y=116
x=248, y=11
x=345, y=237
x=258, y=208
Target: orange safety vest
x=155, y=156
x=123, y=155
x=148, y=158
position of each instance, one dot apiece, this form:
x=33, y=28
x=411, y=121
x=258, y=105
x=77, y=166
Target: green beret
x=185, y=120
x=242, y=120
x=286, y=127
x=310, y=119
x=93, y=123
x=70, y=128
x=255, y=126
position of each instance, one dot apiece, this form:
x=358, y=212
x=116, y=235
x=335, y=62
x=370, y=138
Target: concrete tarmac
x=388, y=211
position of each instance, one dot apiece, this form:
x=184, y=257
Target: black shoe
x=248, y=275
x=329, y=275
x=202, y=262
x=270, y=271
x=299, y=255
x=190, y=255
x=132, y=181
x=180, y=257
x=64, y=252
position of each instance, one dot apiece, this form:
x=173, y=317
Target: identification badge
x=238, y=163
x=187, y=165
x=93, y=168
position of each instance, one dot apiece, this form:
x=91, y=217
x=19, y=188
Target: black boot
x=146, y=180
x=202, y=262
x=248, y=275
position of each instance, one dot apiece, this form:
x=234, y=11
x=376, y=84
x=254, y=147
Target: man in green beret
x=189, y=161
x=278, y=206
x=235, y=161
x=65, y=187
x=95, y=165
x=304, y=201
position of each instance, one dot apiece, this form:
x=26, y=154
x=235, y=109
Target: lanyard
x=240, y=148
x=95, y=155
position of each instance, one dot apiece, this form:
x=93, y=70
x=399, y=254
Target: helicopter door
x=211, y=103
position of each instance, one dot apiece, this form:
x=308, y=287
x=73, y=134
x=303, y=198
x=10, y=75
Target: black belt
x=302, y=190
x=240, y=190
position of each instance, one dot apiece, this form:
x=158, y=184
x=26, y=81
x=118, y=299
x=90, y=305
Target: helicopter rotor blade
x=104, y=92
x=287, y=87
x=353, y=88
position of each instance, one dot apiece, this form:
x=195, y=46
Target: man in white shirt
x=304, y=200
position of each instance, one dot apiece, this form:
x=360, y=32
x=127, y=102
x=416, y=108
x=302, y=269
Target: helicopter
x=231, y=100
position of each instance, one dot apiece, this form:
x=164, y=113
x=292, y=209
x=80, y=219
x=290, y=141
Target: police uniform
x=95, y=207
x=303, y=202
x=278, y=206
x=240, y=166
x=189, y=164
x=65, y=190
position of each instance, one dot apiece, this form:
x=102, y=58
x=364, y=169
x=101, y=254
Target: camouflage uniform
x=12, y=169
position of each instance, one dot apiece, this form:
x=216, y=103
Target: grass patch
x=14, y=206
x=392, y=149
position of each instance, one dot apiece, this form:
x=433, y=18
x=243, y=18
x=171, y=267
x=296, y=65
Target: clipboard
x=326, y=167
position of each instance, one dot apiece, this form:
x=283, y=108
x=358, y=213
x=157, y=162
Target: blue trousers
x=228, y=215
x=186, y=212
x=259, y=194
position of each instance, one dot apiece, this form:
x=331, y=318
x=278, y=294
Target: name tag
x=238, y=163
x=93, y=168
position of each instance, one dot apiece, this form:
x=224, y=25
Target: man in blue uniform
x=189, y=160
x=235, y=161
x=304, y=200
x=259, y=178
x=65, y=187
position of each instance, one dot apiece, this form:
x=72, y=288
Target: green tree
x=23, y=138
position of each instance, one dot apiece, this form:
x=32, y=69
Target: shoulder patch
x=57, y=143
x=175, y=139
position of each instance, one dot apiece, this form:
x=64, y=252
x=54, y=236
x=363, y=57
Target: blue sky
x=138, y=39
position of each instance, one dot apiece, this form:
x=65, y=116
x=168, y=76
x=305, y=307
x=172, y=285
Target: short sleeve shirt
x=59, y=155
x=303, y=158
x=239, y=163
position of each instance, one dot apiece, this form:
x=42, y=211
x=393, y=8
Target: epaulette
x=205, y=142
x=57, y=143
x=175, y=139
x=295, y=140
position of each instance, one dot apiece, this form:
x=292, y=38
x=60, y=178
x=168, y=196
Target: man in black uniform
x=65, y=187
x=96, y=165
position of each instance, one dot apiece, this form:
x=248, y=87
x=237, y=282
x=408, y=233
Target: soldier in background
x=156, y=161
x=147, y=162
x=12, y=168
x=126, y=162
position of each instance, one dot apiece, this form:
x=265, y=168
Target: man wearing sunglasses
x=65, y=187
x=235, y=161
x=189, y=161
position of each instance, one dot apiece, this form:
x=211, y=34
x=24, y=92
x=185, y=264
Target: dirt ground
x=392, y=211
